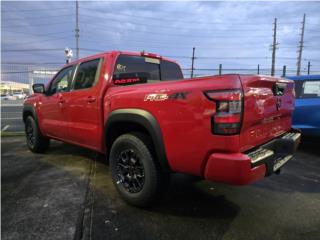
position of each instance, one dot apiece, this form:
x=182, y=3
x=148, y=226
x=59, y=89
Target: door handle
x=61, y=101
x=91, y=99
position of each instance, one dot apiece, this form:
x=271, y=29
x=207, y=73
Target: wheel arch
x=28, y=110
x=127, y=120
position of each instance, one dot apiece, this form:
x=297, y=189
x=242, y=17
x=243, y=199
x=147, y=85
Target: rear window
x=307, y=89
x=155, y=69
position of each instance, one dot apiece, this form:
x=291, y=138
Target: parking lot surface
x=11, y=116
x=67, y=194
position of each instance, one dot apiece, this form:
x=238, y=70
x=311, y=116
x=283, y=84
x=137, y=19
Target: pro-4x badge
x=164, y=96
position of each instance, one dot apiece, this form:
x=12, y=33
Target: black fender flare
x=29, y=108
x=148, y=122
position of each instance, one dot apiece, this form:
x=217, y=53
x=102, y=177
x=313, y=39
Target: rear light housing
x=152, y=55
x=229, y=111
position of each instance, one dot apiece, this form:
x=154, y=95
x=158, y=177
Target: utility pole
x=77, y=30
x=192, y=62
x=309, y=65
x=258, y=72
x=274, y=47
x=301, y=45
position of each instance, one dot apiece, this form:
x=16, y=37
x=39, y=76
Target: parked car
x=8, y=97
x=137, y=109
x=307, y=111
x=19, y=95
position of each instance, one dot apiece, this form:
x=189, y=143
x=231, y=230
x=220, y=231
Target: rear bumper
x=248, y=167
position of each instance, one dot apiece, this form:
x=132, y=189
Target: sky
x=237, y=35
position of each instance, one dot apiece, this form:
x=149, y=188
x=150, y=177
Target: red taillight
x=228, y=116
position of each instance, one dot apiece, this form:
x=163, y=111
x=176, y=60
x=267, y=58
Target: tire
x=135, y=172
x=36, y=142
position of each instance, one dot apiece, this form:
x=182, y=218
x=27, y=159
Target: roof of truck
x=152, y=55
x=304, y=77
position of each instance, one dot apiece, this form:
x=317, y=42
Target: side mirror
x=130, y=78
x=38, y=88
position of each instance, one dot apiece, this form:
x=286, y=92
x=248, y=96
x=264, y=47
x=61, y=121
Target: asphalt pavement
x=67, y=194
x=11, y=116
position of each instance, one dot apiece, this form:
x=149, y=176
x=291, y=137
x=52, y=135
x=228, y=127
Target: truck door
x=53, y=105
x=83, y=105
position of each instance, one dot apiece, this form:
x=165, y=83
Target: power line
x=181, y=35
x=170, y=42
x=109, y=19
x=47, y=40
x=23, y=18
x=36, y=25
x=182, y=21
x=33, y=63
x=33, y=10
x=37, y=35
x=32, y=50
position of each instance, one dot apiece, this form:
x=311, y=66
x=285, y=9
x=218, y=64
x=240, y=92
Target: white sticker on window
x=311, y=87
x=152, y=60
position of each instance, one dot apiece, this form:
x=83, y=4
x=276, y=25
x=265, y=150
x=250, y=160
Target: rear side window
x=170, y=71
x=151, y=68
x=87, y=74
x=307, y=89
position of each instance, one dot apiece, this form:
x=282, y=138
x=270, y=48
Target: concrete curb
x=12, y=134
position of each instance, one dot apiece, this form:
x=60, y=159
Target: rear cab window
x=307, y=89
x=146, y=69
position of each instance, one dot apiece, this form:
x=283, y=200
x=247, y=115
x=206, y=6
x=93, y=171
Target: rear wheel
x=36, y=142
x=135, y=172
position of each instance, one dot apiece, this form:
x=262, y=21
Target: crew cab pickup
x=138, y=110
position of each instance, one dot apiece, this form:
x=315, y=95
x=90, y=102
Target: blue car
x=306, y=116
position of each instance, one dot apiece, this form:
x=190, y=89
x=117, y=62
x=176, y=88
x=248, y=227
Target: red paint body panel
x=234, y=168
x=185, y=124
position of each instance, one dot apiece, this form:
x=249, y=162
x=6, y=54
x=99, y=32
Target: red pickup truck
x=137, y=109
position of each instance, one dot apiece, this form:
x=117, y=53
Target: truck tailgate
x=268, y=105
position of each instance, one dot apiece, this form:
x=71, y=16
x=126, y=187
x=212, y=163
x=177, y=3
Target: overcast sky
x=235, y=34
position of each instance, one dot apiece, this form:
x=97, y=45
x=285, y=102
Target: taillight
x=228, y=116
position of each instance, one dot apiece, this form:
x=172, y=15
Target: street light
x=69, y=54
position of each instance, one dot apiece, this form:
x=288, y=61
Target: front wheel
x=36, y=142
x=135, y=172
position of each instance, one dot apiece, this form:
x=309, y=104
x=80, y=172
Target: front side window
x=87, y=74
x=152, y=69
x=62, y=81
x=307, y=89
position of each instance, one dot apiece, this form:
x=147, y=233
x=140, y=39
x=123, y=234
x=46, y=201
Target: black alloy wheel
x=130, y=171
x=36, y=142
x=135, y=171
x=30, y=134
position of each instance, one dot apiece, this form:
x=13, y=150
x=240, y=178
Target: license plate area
x=276, y=153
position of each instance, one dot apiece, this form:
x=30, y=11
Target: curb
x=12, y=134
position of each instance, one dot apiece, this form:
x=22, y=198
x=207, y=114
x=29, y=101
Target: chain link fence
x=17, y=80
x=16, y=85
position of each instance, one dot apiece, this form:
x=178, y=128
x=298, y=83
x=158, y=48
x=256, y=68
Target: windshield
x=155, y=69
x=307, y=89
